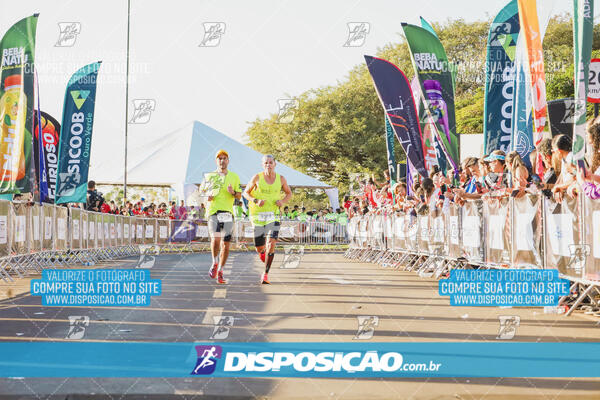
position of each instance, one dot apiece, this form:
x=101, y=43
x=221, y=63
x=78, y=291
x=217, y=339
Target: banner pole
x=595, y=110
x=126, y=105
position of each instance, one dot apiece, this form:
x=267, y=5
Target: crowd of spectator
x=96, y=202
x=327, y=214
x=553, y=173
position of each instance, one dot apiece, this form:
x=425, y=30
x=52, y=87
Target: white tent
x=181, y=158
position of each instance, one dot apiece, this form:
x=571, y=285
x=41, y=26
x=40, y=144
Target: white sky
x=270, y=50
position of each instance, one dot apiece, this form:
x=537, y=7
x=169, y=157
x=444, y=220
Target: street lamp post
x=126, y=104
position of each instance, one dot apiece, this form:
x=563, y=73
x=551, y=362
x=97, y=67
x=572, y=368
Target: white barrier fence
x=528, y=232
x=34, y=236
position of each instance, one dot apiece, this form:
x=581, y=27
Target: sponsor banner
x=435, y=76
x=396, y=97
x=47, y=133
x=323, y=360
x=533, y=35
x=389, y=146
x=434, y=155
x=426, y=25
x=17, y=50
x=41, y=177
x=522, y=122
x=499, y=79
x=76, y=136
x=583, y=33
x=183, y=231
x=438, y=146
x=561, y=114
x=401, y=172
x=410, y=179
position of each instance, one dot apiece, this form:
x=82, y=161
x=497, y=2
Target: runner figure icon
x=207, y=359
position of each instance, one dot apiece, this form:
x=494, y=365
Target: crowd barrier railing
x=530, y=231
x=34, y=236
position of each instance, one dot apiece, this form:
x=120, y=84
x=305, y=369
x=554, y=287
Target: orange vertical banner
x=530, y=27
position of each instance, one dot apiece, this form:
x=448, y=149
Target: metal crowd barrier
x=527, y=232
x=34, y=236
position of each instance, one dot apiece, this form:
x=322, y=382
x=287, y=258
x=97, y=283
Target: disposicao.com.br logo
x=207, y=359
x=304, y=363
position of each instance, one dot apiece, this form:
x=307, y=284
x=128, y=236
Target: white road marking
x=219, y=293
x=210, y=313
x=342, y=281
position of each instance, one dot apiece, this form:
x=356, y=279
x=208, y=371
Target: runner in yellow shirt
x=226, y=188
x=263, y=193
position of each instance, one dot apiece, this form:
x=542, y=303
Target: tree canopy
x=339, y=129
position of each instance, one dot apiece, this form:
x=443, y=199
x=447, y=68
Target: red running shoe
x=220, y=279
x=213, y=271
x=265, y=280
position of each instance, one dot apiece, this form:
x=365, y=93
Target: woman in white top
x=563, y=165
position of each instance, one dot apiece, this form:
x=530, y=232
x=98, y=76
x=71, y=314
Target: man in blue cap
x=497, y=179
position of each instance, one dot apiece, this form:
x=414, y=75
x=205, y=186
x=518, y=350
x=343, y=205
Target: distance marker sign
x=594, y=81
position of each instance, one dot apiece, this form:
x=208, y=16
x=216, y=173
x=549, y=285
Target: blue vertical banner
x=427, y=25
x=396, y=97
x=76, y=136
x=499, y=79
x=38, y=145
x=522, y=119
x=389, y=145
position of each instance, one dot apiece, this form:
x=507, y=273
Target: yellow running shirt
x=223, y=201
x=269, y=212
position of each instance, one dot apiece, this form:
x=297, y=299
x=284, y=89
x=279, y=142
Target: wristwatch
x=255, y=200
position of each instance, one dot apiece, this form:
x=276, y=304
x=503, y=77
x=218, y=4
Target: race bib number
x=224, y=217
x=266, y=216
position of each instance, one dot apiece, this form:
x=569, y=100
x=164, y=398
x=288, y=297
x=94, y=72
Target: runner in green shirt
x=342, y=217
x=302, y=216
x=294, y=213
x=238, y=210
x=263, y=193
x=225, y=189
x=330, y=216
